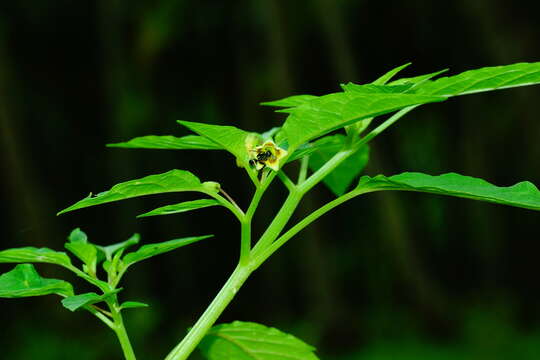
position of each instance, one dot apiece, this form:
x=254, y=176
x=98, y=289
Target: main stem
x=209, y=317
x=121, y=333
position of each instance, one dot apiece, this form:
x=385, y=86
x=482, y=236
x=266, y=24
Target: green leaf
x=78, y=236
x=150, y=250
x=389, y=75
x=341, y=178
x=330, y=112
x=24, y=281
x=523, y=194
x=230, y=138
x=171, y=181
x=76, y=302
x=252, y=341
x=133, y=305
x=168, y=142
x=376, y=89
x=417, y=80
x=181, y=207
x=34, y=255
x=484, y=79
x=79, y=246
x=290, y=101
x=110, y=250
x=323, y=144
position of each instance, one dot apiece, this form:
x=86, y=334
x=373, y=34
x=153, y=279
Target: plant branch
x=120, y=330
x=100, y=316
x=303, y=169
x=391, y=120
x=279, y=222
x=228, y=197
x=253, y=175
x=286, y=180
x=326, y=169
x=265, y=253
x=231, y=206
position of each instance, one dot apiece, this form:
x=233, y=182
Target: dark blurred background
x=388, y=276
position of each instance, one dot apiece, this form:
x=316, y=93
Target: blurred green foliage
x=442, y=279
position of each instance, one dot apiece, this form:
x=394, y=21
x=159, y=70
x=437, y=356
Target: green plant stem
x=303, y=169
x=120, y=331
x=100, y=316
x=279, y=222
x=233, y=207
x=391, y=120
x=253, y=176
x=326, y=169
x=259, y=252
x=245, y=241
x=286, y=180
x=103, y=286
x=259, y=258
x=209, y=317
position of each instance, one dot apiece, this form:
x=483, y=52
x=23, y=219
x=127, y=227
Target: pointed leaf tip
x=524, y=194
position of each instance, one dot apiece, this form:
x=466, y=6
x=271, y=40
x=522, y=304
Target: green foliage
x=133, y=305
x=167, y=142
x=331, y=112
x=24, y=281
x=150, y=250
x=249, y=341
x=110, y=250
x=34, y=255
x=484, y=79
x=76, y=302
x=338, y=180
x=230, y=138
x=390, y=74
x=291, y=101
x=171, y=181
x=181, y=207
x=79, y=246
x=523, y=194
x=336, y=159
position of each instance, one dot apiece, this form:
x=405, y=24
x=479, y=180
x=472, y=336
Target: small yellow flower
x=267, y=154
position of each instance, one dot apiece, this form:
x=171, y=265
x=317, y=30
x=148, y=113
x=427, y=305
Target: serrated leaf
x=110, y=250
x=341, y=178
x=389, y=75
x=24, y=281
x=230, y=138
x=290, y=101
x=181, y=207
x=252, y=341
x=524, y=194
x=330, y=112
x=133, y=305
x=34, y=255
x=171, y=181
x=484, y=79
x=150, y=250
x=168, y=142
x=76, y=302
